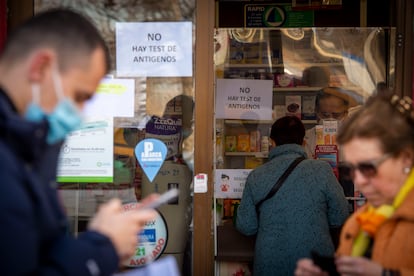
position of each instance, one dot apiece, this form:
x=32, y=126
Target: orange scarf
x=372, y=218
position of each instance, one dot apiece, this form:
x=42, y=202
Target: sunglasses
x=367, y=168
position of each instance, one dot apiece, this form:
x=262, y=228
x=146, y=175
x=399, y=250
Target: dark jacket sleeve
x=34, y=239
x=89, y=254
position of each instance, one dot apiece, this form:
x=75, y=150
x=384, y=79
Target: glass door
x=320, y=75
x=157, y=38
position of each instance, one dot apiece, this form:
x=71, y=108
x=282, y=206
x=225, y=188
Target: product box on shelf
x=234, y=74
x=279, y=111
x=228, y=208
x=277, y=57
x=236, y=52
x=264, y=144
x=328, y=153
x=255, y=141
x=308, y=107
x=319, y=135
x=330, y=129
x=236, y=57
x=231, y=143
x=293, y=105
x=251, y=162
x=283, y=80
x=252, y=52
x=243, y=142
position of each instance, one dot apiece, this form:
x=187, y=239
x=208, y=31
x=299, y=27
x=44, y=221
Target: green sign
x=273, y=16
x=85, y=179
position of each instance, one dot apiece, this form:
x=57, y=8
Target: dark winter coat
x=296, y=220
x=34, y=238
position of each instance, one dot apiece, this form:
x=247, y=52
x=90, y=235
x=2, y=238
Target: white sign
x=113, y=98
x=87, y=154
x=246, y=99
x=152, y=240
x=154, y=49
x=230, y=183
x=200, y=183
x=167, y=265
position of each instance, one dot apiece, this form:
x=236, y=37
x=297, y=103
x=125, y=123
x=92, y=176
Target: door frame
x=203, y=239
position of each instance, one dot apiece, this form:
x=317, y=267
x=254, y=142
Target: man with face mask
x=49, y=67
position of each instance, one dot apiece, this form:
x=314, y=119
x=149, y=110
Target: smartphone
x=326, y=263
x=163, y=199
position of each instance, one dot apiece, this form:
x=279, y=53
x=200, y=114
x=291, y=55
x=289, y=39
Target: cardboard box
x=251, y=162
x=328, y=153
x=279, y=111
x=252, y=52
x=308, y=107
x=284, y=80
x=243, y=142
x=330, y=129
x=231, y=143
x=255, y=141
x=293, y=106
x=319, y=135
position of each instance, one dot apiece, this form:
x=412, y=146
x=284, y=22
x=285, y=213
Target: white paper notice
x=200, y=183
x=230, y=183
x=87, y=154
x=164, y=266
x=113, y=98
x=246, y=99
x=154, y=49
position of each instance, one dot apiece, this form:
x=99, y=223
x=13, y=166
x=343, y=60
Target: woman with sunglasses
x=378, y=145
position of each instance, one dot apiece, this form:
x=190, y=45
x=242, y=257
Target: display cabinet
x=264, y=74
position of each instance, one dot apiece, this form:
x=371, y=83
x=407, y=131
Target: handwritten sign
x=154, y=49
x=244, y=99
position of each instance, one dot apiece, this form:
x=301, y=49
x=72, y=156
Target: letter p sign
x=148, y=147
x=151, y=154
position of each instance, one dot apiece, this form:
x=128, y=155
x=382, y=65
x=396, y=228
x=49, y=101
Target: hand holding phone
x=163, y=199
x=326, y=263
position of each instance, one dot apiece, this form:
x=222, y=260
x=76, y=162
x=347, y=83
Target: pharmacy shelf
x=261, y=122
x=296, y=88
x=255, y=154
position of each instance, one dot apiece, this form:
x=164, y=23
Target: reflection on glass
x=151, y=102
x=321, y=75
x=351, y=58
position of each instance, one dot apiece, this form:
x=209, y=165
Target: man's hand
x=306, y=267
x=122, y=227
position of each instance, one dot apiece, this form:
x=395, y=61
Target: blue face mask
x=64, y=119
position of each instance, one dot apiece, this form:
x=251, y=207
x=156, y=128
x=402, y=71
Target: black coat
x=34, y=236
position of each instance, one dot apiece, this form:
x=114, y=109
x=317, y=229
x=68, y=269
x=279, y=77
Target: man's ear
x=39, y=63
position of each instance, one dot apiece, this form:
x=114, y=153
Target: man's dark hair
x=70, y=34
x=288, y=130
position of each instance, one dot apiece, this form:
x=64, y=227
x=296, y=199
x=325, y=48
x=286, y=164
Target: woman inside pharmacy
x=298, y=218
x=379, y=150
